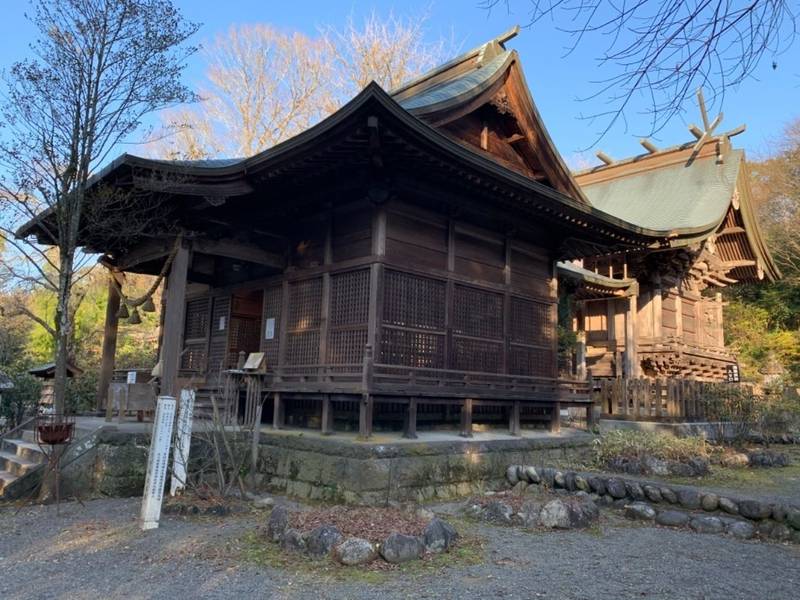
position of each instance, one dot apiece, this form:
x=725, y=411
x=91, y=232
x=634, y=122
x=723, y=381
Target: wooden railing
x=665, y=399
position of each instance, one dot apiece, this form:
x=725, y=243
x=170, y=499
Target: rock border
x=327, y=541
x=775, y=521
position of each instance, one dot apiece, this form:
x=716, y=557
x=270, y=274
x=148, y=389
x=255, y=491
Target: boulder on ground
x=672, y=518
x=728, y=505
x=781, y=532
x=793, y=517
x=355, y=551
x=740, y=529
x=531, y=475
x=753, y=509
x=581, y=484
x=689, y=498
x=652, y=493
x=707, y=524
x=439, y=536
x=321, y=540
x=400, y=548
x=737, y=459
x=559, y=480
x=293, y=540
x=569, y=513
x=656, y=466
x=519, y=487
x=498, y=512
x=569, y=481
x=668, y=495
x=548, y=475
x=709, y=502
x=277, y=523
x=616, y=488
x=529, y=513
x=634, y=490
x=640, y=511
x=511, y=474
x=598, y=485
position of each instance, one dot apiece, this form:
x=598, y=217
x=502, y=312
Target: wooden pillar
x=109, y=342
x=631, y=359
x=514, y=420
x=555, y=418
x=678, y=314
x=327, y=415
x=411, y=419
x=719, y=330
x=580, y=355
x=366, y=406
x=658, y=309
x=174, y=315
x=466, y=418
x=278, y=411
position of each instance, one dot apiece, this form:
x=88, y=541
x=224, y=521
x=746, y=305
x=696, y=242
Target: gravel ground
x=97, y=551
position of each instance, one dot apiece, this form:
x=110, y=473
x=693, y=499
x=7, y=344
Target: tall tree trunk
x=63, y=328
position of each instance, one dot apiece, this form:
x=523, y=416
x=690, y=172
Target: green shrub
x=21, y=401
x=639, y=444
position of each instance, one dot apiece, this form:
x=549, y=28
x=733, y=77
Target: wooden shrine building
x=665, y=303
x=395, y=263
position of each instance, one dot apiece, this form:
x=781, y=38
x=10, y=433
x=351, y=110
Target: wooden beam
x=631, y=359
x=466, y=418
x=145, y=252
x=410, y=431
x=174, y=314
x=327, y=415
x=278, y=411
x=184, y=188
x=240, y=251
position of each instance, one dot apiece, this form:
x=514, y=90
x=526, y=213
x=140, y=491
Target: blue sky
x=765, y=103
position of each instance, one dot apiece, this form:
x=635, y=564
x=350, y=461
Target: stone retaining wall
x=775, y=520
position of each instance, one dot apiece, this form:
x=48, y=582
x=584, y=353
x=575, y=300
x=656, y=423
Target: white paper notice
x=269, y=330
x=131, y=377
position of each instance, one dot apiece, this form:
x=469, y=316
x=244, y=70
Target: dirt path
x=98, y=552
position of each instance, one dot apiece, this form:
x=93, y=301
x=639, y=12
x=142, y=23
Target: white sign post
x=157, y=463
x=183, y=440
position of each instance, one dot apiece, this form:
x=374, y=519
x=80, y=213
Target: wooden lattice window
x=412, y=348
x=477, y=355
x=196, y=319
x=218, y=345
x=350, y=298
x=412, y=301
x=349, y=313
x=195, y=335
x=477, y=312
x=534, y=362
x=346, y=346
x=530, y=322
x=302, y=348
x=305, y=310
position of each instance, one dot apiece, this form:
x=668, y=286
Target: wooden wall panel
x=352, y=234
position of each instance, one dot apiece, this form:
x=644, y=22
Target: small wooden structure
x=47, y=373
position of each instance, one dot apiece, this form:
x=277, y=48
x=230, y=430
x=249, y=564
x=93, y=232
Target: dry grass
x=639, y=444
x=373, y=524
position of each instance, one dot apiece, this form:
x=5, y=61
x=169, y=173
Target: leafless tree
x=776, y=186
x=97, y=68
x=265, y=85
x=663, y=50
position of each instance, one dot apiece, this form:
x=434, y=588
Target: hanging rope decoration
x=145, y=301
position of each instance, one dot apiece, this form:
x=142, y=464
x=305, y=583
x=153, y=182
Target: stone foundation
x=331, y=470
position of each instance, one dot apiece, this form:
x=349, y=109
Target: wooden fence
x=670, y=399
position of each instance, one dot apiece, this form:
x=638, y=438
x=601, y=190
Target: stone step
x=29, y=435
x=17, y=466
x=6, y=479
x=24, y=450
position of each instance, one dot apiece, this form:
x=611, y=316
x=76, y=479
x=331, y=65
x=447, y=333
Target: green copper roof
x=671, y=198
x=458, y=88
